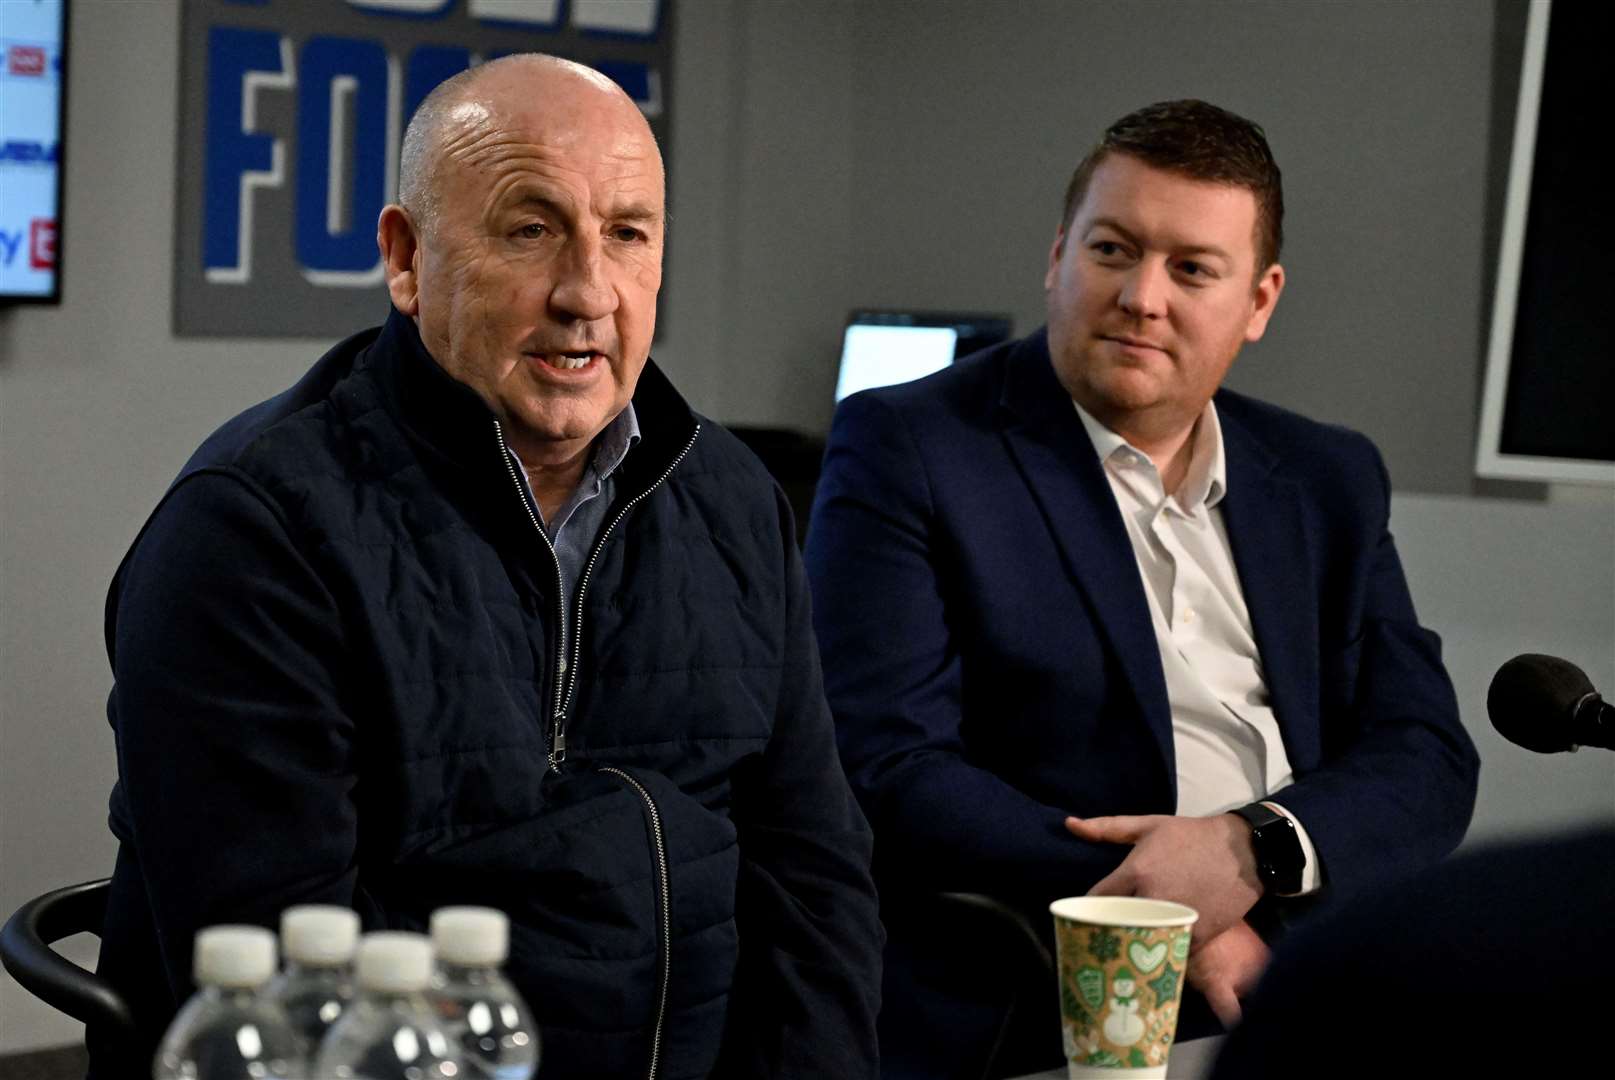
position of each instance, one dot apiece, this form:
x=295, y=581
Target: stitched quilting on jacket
x=339, y=679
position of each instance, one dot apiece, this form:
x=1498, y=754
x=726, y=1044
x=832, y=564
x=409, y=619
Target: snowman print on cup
x=1123, y=1026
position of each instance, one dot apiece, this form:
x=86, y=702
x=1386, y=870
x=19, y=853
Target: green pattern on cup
x=1146, y=958
x=1091, y=982
x=1119, y=1004
x=1071, y=1006
x=1165, y=986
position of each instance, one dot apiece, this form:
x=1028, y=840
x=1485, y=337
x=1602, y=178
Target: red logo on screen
x=25, y=60
x=42, y=243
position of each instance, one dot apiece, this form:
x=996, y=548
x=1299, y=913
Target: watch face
x=1279, y=858
x=1278, y=854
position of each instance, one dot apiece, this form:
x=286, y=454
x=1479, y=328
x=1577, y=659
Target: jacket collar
x=1273, y=552
x=451, y=421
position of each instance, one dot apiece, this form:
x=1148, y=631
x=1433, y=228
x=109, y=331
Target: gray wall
x=972, y=116
x=831, y=154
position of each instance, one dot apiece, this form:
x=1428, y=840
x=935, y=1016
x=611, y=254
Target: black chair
x=996, y=949
x=25, y=950
x=793, y=459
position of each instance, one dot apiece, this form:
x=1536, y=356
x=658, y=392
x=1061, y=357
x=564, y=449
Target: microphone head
x=1532, y=701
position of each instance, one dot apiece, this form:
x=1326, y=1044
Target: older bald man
x=481, y=612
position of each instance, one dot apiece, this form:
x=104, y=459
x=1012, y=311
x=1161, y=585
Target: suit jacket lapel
x=1267, y=531
x=1053, y=452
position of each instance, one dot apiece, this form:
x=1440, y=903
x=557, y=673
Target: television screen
x=1549, y=377
x=880, y=348
x=32, y=46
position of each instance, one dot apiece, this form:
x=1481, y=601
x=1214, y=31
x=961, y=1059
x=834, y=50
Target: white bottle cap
x=394, y=962
x=320, y=934
x=473, y=936
x=233, y=956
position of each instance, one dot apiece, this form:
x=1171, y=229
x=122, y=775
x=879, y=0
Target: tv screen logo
x=42, y=243
x=25, y=60
x=28, y=152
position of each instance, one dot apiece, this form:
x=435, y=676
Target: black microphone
x=1547, y=704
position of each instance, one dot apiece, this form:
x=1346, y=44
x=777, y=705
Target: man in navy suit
x=1091, y=623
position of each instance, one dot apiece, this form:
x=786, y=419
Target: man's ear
x=399, y=241
x=1055, y=251
x=1265, y=298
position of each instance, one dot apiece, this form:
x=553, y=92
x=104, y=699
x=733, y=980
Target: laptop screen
x=881, y=348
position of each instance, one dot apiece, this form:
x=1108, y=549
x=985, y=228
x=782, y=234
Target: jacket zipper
x=664, y=905
x=557, y=751
x=570, y=670
x=567, y=667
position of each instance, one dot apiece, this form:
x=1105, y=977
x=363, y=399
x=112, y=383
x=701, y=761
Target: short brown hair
x=1202, y=142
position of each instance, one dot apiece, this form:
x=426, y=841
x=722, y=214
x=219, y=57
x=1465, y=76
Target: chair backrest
x=996, y=949
x=25, y=950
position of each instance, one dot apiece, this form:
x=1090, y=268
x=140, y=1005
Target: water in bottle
x=480, y=1009
x=316, y=984
x=388, y=1031
x=226, y=1031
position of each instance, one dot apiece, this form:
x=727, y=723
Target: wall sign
x=291, y=113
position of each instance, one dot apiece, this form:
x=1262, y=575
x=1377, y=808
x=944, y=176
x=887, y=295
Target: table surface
x=1190, y=1060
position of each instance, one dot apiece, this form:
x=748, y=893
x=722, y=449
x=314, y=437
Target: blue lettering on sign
x=28, y=152
x=238, y=158
x=428, y=66
x=9, y=243
x=522, y=14
x=341, y=165
x=351, y=106
x=409, y=9
x=637, y=81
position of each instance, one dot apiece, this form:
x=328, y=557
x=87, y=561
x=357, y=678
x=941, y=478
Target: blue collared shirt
x=574, y=527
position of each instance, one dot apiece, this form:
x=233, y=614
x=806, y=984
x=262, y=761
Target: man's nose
x=1143, y=294
x=583, y=287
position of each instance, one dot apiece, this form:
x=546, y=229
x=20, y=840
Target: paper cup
x=1122, y=963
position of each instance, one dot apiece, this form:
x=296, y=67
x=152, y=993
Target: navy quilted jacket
x=338, y=680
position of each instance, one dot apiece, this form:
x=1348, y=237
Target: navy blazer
x=990, y=660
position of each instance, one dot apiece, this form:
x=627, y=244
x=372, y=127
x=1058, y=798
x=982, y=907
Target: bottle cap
x=394, y=962
x=320, y=934
x=233, y=956
x=473, y=936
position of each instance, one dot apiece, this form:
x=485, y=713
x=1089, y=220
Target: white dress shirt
x=1225, y=737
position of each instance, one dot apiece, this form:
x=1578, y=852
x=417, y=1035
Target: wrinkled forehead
x=574, y=125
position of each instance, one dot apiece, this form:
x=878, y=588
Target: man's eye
x=1107, y=248
x=1197, y=271
x=532, y=230
x=627, y=234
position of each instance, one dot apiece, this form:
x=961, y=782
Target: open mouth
x=566, y=361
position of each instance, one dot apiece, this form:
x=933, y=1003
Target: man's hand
x=1226, y=968
x=1206, y=863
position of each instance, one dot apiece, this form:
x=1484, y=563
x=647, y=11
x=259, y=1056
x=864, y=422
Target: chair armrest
x=25, y=950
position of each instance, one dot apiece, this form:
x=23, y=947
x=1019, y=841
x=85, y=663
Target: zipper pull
x=558, y=744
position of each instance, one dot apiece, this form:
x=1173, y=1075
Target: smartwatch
x=1279, y=858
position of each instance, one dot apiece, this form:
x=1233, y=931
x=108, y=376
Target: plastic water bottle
x=481, y=1010
x=316, y=985
x=226, y=1031
x=389, y=1032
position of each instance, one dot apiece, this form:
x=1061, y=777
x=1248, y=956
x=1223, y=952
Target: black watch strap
x=1279, y=858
